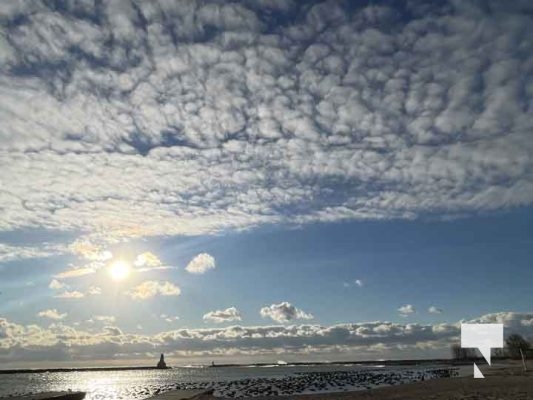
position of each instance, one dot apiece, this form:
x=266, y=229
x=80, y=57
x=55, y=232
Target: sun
x=119, y=270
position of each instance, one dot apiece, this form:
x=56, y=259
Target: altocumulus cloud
x=234, y=115
x=366, y=339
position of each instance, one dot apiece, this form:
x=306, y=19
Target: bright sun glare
x=119, y=270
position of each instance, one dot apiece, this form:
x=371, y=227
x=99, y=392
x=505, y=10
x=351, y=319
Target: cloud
x=147, y=260
x=94, y=291
x=51, y=314
x=74, y=294
x=434, y=310
x=201, y=264
x=105, y=319
x=284, y=312
x=55, y=284
x=219, y=316
x=356, y=282
x=75, y=272
x=10, y=253
x=168, y=318
x=236, y=120
x=374, y=340
x=149, y=289
x=513, y=320
x=406, y=310
x=112, y=331
x=109, y=319
x=90, y=251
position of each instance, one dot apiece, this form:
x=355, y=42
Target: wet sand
x=504, y=383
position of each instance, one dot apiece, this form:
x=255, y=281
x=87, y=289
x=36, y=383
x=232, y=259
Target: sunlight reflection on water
x=97, y=384
x=140, y=384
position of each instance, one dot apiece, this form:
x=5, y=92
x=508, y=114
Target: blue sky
x=250, y=179
x=466, y=267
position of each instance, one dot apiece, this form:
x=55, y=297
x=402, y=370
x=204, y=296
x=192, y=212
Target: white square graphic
x=482, y=336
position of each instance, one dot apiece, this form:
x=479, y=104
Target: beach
x=225, y=382
x=504, y=380
x=500, y=383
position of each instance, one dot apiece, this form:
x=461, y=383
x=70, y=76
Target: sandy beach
x=500, y=383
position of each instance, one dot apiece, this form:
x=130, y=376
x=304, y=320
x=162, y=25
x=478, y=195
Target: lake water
x=229, y=381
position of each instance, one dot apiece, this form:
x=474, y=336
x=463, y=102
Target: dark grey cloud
x=192, y=117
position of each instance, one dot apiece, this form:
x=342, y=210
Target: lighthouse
x=162, y=364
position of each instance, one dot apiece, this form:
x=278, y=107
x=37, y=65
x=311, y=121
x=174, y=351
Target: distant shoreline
x=302, y=364
x=88, y=369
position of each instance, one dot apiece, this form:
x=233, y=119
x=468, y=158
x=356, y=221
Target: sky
x=253, y=181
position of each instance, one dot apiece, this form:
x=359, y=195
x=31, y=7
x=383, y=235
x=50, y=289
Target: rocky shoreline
x=315, y=382
x=292, y=384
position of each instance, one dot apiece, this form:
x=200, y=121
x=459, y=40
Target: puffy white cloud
x=55, y=284
x=201, y=264
x=359, y=282
x=284, y=312
x=149, y=289
x=434, y=310
x=219, y=316
x=147, y=260
x=406, y=310
x=340, y=113
x=512, y=320
x=51, y=314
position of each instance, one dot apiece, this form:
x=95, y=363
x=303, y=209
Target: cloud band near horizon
x=60, y=342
